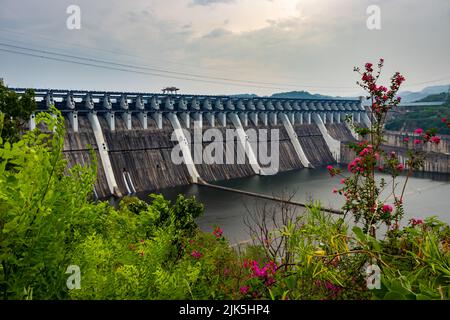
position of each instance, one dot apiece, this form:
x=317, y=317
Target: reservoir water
x=426, y=195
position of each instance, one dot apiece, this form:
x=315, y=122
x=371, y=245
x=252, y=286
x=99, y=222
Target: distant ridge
x=306, y=95
x=293, y=95
x=408, y=96
x=244, y=95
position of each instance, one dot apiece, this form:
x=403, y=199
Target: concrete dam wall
x=135, y=136
x=144, y=155
x=77, y=150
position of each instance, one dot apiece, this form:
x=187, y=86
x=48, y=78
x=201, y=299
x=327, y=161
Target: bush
x=47, y=223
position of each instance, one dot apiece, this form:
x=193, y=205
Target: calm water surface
x=426, y=195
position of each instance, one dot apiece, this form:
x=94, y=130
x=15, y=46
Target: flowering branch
x=361, y=190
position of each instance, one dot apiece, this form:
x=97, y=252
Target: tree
x=363, y=193
x=16, y=110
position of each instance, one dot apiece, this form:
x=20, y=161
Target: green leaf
x=420, y=296
x=359, y=234
x=393, y=295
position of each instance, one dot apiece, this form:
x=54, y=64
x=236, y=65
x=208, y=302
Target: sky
x=221, y=46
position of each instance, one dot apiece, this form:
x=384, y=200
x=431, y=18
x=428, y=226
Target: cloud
x=210, y=2
x=217, y=33
x=315, y=42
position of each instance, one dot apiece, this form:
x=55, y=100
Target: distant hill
x=293, y=95
x=244, y=95
x=305, y=95
x=408, y=96
x=428, y=112
x=443, y=96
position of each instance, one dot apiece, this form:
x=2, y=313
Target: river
x=426, y=195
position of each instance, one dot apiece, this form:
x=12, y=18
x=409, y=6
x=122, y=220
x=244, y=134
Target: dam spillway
x=133, y=135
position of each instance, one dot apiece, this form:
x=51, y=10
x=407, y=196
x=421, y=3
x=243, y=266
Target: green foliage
x=16, y=111
x=321, y=264
x=416, y=262
x=443, y=96
x=48, y=222
x=422, y=117
x=142, y=255
x=39, y=207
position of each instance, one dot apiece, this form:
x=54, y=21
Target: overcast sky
x=268, y=45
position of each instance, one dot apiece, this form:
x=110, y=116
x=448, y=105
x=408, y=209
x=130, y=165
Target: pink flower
x=400, y=167
x=342, y=181
x=436, y=139
x=331, y=170
x=350, y=166
x=217, y=232
x=331, y=287
x=418, y=131
x=257, y=271
x=416, y=142
x=444, y=120
x=369, y=67
x=244, y=289
x=196, y=254
x=387, y=208
x=399, y=79
x=354, y=166
x=335, y=190
x=414, y=222
x=367, y=77
x=268, y=270
x=364, y=152
x=406, y=139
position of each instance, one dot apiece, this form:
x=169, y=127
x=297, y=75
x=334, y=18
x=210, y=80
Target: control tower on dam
x=134, y=135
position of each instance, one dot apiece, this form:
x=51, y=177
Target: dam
x=134, y=134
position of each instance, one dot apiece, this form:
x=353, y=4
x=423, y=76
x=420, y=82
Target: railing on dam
x=105, y=101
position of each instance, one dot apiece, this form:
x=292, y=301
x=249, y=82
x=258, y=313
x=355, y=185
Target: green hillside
x=423, y=117
x=443, y=96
